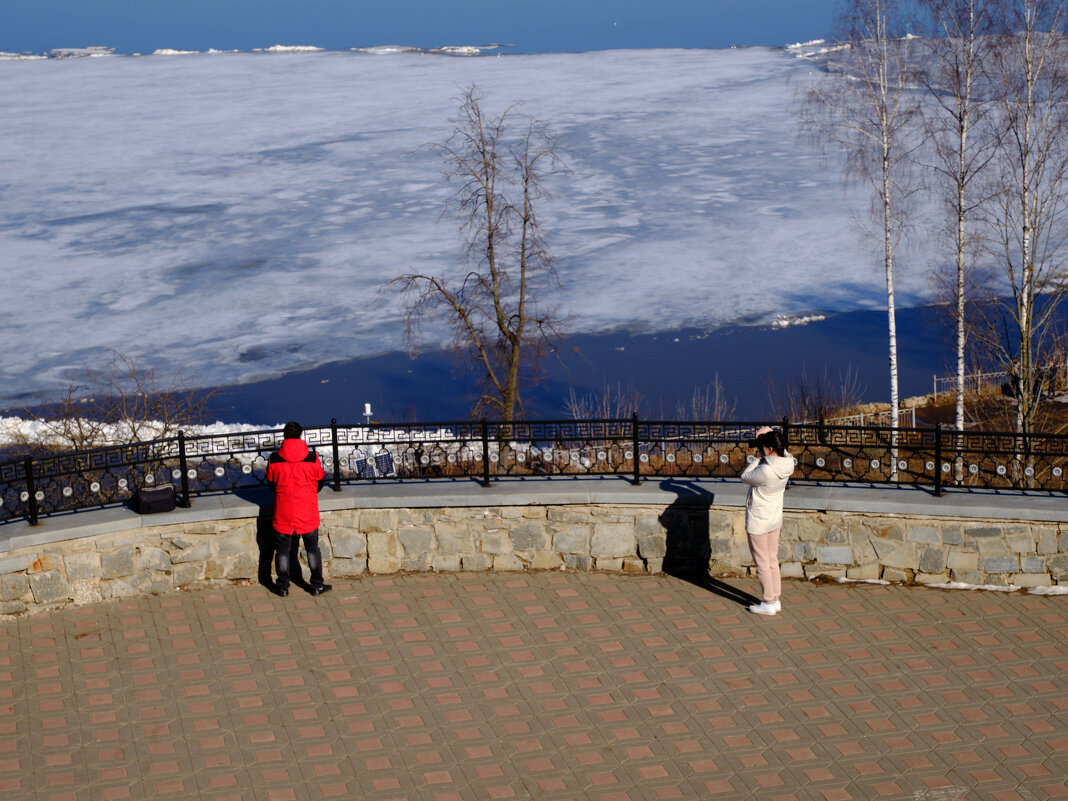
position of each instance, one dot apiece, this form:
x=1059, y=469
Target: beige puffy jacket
x=767, y=479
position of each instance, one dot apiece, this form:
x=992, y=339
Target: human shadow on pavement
x=688, y=548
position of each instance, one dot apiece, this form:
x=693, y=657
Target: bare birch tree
x=1030, y=197
x=497, y=311
x=951, y=67
x=867, y=111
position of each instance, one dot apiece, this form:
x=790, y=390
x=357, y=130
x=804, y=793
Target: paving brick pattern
x=547, y=686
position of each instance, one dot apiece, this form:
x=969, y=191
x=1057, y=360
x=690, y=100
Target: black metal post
x=485, y=454
x=634, y=444
x=786, y=433
x=31, y=489
x=337, y=457
x=184, y=467
x=938, y=460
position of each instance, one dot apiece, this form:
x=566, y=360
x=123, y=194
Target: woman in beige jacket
x=767, y=478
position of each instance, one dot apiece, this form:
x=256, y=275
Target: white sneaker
x=777, y=605
x=764, y=608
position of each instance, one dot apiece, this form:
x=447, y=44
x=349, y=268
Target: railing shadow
x=689, y=550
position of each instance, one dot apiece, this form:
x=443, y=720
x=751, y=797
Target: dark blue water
x=663, y=368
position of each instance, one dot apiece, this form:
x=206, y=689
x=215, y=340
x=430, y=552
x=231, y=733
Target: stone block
x=614, y=564
x=721, y=546
x=348, y=568
x=453, y=538
x=568, y=514
x=84, y=591
x=613, y=541
x=529, y=537
x=86, y=565
x=510, y=513
x=952, y=535
x=646, y=526
x=48, y=587
x=963, y=560
x=383, y=545
x=150, y=582
x=12, y=607
x=214, y=569
x=1020, y=541
x=243, y=540
x=836, y=536
x=654, y=565
x=348, y=544
x=445, y=562
x=835, y=554
x=507, y=562
x=825, y=571
x=1062, y=542
x=720, y=523
x=931, y=578
x=803, y=529
x=577, y=562
x=897, y=575
x=13, y=586
x=868, y=572
x=383, y=564
x=1001, y=564
x=44, y=562
x=652, y=545
x=416, y=540
x=420, y=563
x=895, y=554
x=967, y=576
x=924, y=534
x=153, y=559
x=1046, y=540
x=977, y=533
x=546, y=560
x=932, y=560
x=476, y=561
x=573, y=539
x=804, y=552
x=245, y=566
x=1031, y=580
x=117, y=589
x=1058, y=565
x=633, y=564
x=189, y=573
x=495, y=542
x=122, y=562
x=534, y=512
x=13, y=564
x=197, y=553
x=377, y=520
x=791, y=570
x=894, y=532
x=1033, y=564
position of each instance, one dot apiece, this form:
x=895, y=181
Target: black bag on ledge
x=151, y=500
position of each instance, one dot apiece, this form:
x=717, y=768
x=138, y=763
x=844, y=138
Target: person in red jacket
x=296, y=475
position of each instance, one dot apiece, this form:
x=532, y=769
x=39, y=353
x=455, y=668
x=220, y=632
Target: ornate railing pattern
x=200, y=465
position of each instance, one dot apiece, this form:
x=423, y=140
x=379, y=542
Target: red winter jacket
x=296, y=474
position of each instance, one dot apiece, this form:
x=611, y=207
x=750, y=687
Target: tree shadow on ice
x=688, y=549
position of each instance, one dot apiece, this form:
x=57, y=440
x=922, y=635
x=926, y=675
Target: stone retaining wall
x=627, y=538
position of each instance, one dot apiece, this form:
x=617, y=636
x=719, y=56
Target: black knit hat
x=292, y=430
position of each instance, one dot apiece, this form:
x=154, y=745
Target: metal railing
x=482, y=450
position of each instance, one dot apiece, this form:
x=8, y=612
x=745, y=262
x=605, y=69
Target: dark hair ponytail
x=772, y=440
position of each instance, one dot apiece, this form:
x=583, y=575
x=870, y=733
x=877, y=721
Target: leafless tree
x=707, y=404
x=122, y=402
x=1026, y=219
x=867, y=110
x=614, y=403
x=498, y=310
x=816, y=396
x=951, y=65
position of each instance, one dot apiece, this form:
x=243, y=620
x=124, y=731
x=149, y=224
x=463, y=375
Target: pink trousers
x=765, y=550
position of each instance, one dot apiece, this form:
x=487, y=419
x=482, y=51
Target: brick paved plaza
x=543, y=685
